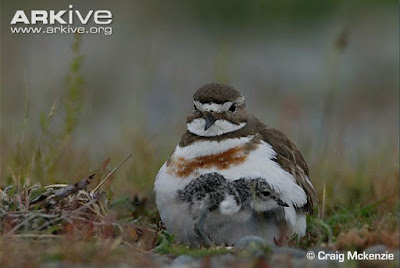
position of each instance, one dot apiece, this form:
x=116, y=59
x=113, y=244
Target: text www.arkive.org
x=61, y=30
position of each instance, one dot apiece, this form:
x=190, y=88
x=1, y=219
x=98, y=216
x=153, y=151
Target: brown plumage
x=291, y=160
x=183, y=167
x=216, y=93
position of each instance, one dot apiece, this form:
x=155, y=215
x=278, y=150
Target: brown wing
x=291, y=160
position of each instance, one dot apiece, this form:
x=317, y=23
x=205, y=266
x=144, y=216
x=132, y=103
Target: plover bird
x=239, y=199
x=223, y=137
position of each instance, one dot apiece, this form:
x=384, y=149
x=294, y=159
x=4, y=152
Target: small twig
x=13, y=213
x=108, y=176
x=56, y=186
x=322, y=212
x=36, y=236
x=71, y=189
x=47, y=216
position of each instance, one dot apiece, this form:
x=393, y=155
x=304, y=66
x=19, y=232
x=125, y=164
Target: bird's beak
x=283, y=204
x=210, y=120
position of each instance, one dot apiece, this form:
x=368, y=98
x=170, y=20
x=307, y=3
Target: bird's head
x=263, y=197
x=217, y=109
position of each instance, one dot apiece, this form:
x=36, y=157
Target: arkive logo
x=71, y=16
x=69, y=21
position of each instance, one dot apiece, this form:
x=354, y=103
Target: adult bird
x=223, y=138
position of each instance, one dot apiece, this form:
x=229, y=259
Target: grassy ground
x=358, y=193
x=358, y=209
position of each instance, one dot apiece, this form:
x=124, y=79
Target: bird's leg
x=283, y=236
x=199, y=227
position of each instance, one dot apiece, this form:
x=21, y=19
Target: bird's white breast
x=257, y=163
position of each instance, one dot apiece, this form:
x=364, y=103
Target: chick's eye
x=194, y=107
x=232, y=108
x=265, y=193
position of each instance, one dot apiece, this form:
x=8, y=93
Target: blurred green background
x=324, y=72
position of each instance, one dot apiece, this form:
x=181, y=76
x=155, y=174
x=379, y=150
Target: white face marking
x=213, y=107
x=220, y=127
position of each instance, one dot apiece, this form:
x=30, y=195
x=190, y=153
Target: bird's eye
x=194, y=107
x=265, y=193
x=232, y=108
